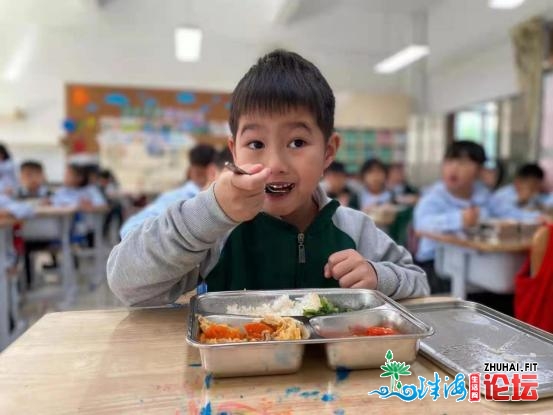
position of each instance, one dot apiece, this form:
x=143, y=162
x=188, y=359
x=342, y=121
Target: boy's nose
x=276, y=162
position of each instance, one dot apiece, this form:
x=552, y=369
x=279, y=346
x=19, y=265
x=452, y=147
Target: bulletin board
x=359, y=145
x=143, y=135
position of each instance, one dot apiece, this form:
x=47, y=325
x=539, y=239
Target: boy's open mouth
x=279, y=188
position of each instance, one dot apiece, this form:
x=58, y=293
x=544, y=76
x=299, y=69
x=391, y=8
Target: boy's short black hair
x=530, y=171
x=31, y=165
x=222, y=157
x=336, y=167
x=281, y=81
x=202, y=155
x=499, y=167
x=105, y=174
x=4, y=153
x=373, y=164
x=82, y=172
x=466, y=149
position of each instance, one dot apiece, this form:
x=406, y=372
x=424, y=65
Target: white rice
x=282, y=306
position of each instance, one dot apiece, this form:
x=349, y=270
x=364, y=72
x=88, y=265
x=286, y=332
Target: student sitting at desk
x=33, y=183
x=8, y=177
x=274, y=227
x=402, y=191
x=373, y=175
x=76, y=192
x=534, y=282
x=336, y=186
x=520, y=200
x=492, y=174
x=205, y=165
x=457, y=202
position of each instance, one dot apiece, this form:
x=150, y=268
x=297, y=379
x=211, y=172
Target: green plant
x=394, y=370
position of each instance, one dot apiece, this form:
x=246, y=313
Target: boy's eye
x=255, y=145
x=297, y=143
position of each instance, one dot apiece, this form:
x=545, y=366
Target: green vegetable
x=326, y=308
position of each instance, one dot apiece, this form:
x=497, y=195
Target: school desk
x=489, y=265
x=98, y=252
x=6, y=226
x=138, y=362
x=54, y=223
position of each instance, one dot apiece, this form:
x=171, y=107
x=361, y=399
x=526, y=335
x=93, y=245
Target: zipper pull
x=301, y=248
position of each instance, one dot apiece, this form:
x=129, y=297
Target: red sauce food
x=373, y=331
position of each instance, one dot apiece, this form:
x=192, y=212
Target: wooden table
x=490, y=265
x=137, y=361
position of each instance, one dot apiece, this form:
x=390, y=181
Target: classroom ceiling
x=345, y=37
x=131, y=41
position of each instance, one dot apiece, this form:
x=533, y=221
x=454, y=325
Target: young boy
x=32, y=181
x=273, y=228
x=336, y=186
x=373, y=175
x=205, y=164
x=457, y=202
x=402, y=192
x=520, y=200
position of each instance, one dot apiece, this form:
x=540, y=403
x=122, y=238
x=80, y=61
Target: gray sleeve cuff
x=204, y=217
x=387, y=280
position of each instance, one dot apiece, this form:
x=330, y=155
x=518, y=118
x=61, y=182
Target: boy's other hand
x=471, y=216
x=241, y=196
x=351, y=270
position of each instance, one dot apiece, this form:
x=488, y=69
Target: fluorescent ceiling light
x=504, y=4
x=18, y=62
x=188, y=42
x=401, y=59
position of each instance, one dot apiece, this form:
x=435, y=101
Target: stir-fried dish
x=266, y=329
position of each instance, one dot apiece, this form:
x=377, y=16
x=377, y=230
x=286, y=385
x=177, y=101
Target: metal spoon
x=235, y=169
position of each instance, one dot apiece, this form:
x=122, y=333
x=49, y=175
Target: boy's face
x=335, y=181
x=396, y=176
x=527, y=188
x=31, y=178
x=70, y=178
x=489, y=177
x=375, y=180
x=198, y=174
x=293, y=147
x=460, y=174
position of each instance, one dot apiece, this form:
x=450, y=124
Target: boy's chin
x=273, y=208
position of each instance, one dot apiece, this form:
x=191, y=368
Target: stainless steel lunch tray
x=367, y=352
x=278, y=357
x=355, y=299
x=467, y=335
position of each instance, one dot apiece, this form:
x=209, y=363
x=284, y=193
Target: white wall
x=355, y=110
x=471, y=58
x=472, y=78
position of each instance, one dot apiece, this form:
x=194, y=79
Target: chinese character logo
x=394, y=370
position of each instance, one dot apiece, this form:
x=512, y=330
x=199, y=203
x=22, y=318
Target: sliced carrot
x=255, y=330
x=380, y=331
x=372, y=331
x=222, y=332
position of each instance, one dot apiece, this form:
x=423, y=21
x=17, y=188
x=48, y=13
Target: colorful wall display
x=143, y=135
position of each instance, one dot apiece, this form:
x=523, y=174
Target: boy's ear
x=232, y=146
x=332, y=147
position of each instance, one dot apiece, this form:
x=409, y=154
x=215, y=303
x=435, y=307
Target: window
x=479, y=124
